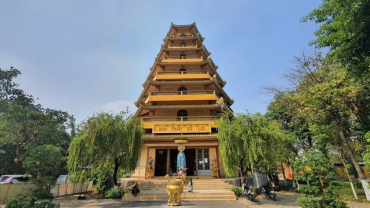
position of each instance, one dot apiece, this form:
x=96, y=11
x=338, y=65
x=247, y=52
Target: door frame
x=168, y=158
x=204, y=172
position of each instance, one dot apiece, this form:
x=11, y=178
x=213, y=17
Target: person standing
x=191, y=185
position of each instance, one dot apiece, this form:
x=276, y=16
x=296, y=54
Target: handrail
x=183, y=57
x=182, y=45
x=182, y=36
x=182, y=72
x=204, y=92
x=168, y=118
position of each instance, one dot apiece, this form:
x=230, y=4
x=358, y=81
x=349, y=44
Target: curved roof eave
x=207, y=61
x=212, y=80
x=191, y=25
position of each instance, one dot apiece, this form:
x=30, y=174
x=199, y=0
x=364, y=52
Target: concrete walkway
x=283, y=200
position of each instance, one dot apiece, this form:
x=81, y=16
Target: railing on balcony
x=183, y=36
x=182, y=72
x=205, y=92
x=182, y=57
x=183, y=46
x=164, y=119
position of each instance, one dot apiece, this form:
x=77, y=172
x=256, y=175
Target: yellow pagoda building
x=182, y=96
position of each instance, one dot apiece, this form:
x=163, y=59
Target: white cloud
x=118, y=106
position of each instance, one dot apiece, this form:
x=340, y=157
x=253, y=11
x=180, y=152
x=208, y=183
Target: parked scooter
x=248, y=193
x=266, y=190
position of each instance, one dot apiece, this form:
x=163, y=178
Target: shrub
x=22, y=201
x=237, y=191
x=114, y=193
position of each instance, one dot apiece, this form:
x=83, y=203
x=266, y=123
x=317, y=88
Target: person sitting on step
x=135, y=190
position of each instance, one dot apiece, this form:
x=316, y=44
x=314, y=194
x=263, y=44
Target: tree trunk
x=116, y=165
x=361, y=176
x=242, y=169
x=349, y=178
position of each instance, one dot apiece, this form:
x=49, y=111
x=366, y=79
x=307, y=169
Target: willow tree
x=106, y=138
x=246, y=139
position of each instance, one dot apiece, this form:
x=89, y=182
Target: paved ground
x=283, y=200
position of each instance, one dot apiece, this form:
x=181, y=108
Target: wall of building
x=175, y=87
x=139, y=172
x=173, y=112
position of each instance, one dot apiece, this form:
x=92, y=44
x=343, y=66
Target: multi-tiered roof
x=183, y=92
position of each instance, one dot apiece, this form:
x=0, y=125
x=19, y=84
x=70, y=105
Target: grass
x=346, y=194
x=343, y=190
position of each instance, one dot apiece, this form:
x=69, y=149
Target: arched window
x=183, y=70
x=182, y=113
x=182, y=56
x=183, y=43
x=183, y=35
x=182, y=89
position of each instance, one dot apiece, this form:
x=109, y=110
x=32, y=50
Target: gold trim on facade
x=180, y=104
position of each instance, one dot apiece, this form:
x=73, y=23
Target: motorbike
x=270, y=194
x=249, y=194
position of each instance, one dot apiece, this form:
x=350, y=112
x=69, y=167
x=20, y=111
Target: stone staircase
x=204, y=189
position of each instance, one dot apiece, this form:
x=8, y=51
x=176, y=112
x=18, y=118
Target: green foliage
x=44, y=162
x=27, y=200
x=246, y=139
x=237, y=191
x=102, y=178
x=9, y=91
x=313, y=166
x=343, y=191
x=106, y=139
x=114, y=193
x=327, y=200
x=344, y=28
x=367, y=152
x=25, y=128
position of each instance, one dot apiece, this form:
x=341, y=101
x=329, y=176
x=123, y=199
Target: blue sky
x=83, y=56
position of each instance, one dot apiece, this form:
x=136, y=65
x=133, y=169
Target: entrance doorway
x=203, y=162
x=190, y=161
x=160, y=162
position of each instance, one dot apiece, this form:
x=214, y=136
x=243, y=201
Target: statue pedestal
x=149, y=174
x=214, y=173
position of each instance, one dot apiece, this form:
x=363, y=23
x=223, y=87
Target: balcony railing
x=183, y=59
x=205, y=92
x=169, y=119
x=183, y=36
x=182, y=72
x=183, y=46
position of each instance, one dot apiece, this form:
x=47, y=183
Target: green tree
x=25, y=125
x=26, y=128
x=9, y=91
x=106, y=138
x=246, y=139
x=345, y=29
x=44, y=163
x=323, y=93
x=315, y=167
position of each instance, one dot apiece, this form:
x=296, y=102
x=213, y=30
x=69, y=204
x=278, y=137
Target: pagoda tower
x=183, y=95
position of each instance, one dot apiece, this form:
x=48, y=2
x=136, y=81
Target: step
x=184, y=196
x=195, y=186
x=185, y=188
